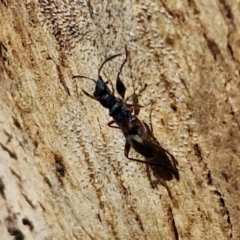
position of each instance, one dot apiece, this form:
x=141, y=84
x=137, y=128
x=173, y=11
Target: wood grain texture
x=185, y=66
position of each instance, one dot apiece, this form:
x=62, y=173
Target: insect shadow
x=169, y=169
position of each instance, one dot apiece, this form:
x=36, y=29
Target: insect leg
x=164, y=184
x=133, y=106
x=112, y=122
x=126, y=153
x=134, y=96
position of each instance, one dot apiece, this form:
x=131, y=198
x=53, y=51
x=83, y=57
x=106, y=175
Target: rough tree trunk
x=185, y=65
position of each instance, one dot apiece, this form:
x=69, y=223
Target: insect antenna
x=85, y=92
x=78, y=76
x=108, y=59
x=95, y=81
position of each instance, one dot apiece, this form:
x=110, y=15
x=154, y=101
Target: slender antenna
x=85, y=77
x=86, y=93
x=108, y=59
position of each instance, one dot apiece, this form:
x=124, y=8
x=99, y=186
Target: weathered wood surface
x=187, y=52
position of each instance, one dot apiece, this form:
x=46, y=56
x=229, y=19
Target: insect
x=135, y=131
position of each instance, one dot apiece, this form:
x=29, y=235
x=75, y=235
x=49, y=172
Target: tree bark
x=63, y=173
